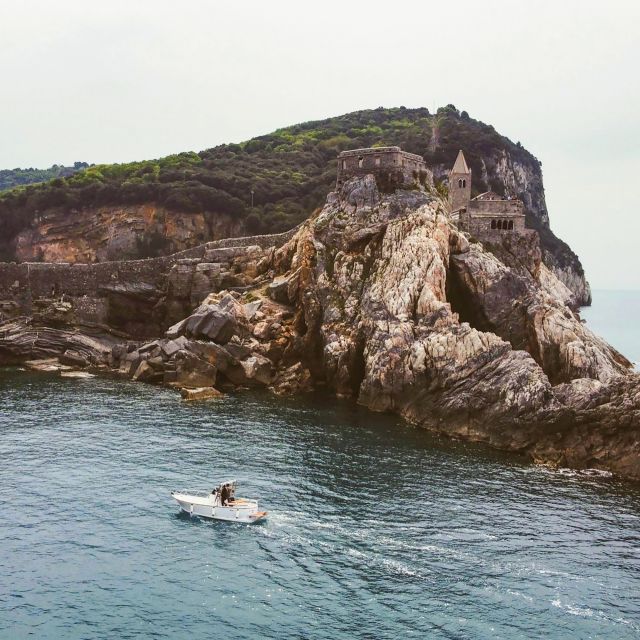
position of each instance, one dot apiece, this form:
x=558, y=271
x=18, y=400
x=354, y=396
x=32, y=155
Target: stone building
x=487, y=213
x=390, y=164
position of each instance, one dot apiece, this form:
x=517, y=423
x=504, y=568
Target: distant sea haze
x=613, y=316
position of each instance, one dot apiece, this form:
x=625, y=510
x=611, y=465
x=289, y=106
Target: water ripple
x=376, y=530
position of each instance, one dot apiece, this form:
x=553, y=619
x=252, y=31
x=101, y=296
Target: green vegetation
x=286, y=173
x=10, y=178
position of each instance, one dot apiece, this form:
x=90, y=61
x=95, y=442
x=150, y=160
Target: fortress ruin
x=390, y=164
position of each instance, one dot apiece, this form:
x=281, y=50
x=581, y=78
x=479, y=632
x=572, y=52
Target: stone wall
x=494, y=223
x=264, y=241
x=483, y=217
x=498, y=207
x=126, y=295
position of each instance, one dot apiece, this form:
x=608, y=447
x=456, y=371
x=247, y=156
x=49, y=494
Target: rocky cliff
x=118, y=233
x=379, y=298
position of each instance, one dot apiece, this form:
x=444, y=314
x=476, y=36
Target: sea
x=375, y=530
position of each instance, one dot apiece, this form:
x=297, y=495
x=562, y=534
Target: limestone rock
x=200, y=393
x=295, y=379
x=81, y=375
x=171, y=347
x=258, y=369
x=192, y=371
x=262, y=330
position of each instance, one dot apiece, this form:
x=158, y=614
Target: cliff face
x=118, y=233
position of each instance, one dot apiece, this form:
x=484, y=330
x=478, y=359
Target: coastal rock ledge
x=377, y=297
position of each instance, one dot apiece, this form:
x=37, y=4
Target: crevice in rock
x=461, y=303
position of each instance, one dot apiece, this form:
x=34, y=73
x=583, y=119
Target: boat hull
x=247, y=512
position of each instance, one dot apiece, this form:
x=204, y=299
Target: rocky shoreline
x=377, y=297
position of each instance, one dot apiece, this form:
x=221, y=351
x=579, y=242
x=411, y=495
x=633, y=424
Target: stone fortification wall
x=264, y=241
x=109, y=292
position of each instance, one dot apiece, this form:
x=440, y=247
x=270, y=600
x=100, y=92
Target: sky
x=129, y=80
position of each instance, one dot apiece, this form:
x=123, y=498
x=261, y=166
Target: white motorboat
x=219, y=504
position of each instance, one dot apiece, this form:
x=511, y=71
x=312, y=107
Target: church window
x=344, y=164
x=360, y=162
x=464, y=183
x=510, y=224
x=460, y=183
x=499, y=224
x=493, y=224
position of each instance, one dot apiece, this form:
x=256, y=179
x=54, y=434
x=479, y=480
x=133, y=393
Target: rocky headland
x=377, y=297
x=270, y=183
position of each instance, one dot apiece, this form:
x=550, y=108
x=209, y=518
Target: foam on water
x=376, y=530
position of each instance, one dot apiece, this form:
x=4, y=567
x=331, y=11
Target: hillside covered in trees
x=272, y=182
x=10, y=178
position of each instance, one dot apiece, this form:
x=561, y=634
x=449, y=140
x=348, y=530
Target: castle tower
x=459, y=184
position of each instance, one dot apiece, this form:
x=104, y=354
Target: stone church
x=486, y=214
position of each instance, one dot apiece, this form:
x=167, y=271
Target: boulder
x=177, y=329
x=144, y=372
x=76, y=374
x=216, y=324
x=149, y=347
x=192, y=371
x=156, y=362
x=284, y=289
x=262, y=330
x=74, y=359
x=213, y=353
x=171, y=347
x=251, y=308
x=295, y=379
x=46, y=365
x=258, y=369
x=238, y=351
x=200, y=393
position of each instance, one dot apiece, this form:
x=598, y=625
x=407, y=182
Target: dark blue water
x=376, y=529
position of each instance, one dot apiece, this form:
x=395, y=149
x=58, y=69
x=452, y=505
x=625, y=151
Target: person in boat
x=225, y=495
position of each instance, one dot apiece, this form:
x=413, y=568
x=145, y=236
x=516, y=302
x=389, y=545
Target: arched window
x=344, y=164
x=360, y=162
x=460, y=183
x=499, y=224
x=510, y=225
x=493, y=224
x=464, y=183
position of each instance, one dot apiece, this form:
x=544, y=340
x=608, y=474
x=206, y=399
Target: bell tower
x=459, y=184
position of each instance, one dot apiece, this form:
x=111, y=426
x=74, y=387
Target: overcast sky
x=124, y=80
